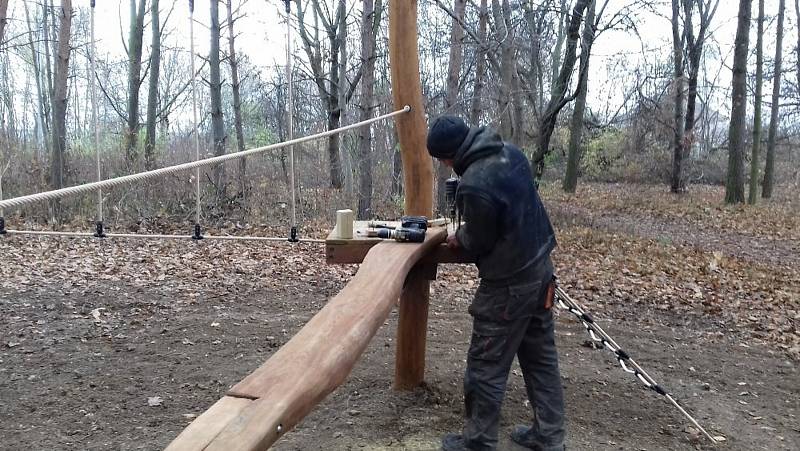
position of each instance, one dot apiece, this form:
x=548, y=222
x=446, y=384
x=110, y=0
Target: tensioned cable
x=157, y=236
x=93, y=89
x=63, y=192
x=194, y=115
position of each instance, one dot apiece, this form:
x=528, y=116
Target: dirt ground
x=119, y=344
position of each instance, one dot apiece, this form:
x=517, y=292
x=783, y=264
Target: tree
x=237, y=101
x=558, y=98
x=3, y=19
x=769, y=169
x=152, y=89
x=734, y=186
x=329, y=79
x=576, y=127
x=135, y=35
x=451, y=91
x=678, y=39
x=504, y=29
x=215, y=85
x=476, y=109
x=59, y=98
x=695, y=43
x=754, y=161
x=370, y=22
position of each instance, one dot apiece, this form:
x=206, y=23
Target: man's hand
x=452, y=241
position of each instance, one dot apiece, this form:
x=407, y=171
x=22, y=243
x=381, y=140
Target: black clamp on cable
x=293, y=235
x=99, y=232
x=2, y=225
x=197, y=233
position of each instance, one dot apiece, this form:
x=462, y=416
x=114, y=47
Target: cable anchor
x=198, y=235
x=2, y=225
x=293, y=235
x=99, y=231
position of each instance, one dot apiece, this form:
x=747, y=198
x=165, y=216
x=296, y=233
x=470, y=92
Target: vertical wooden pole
x=418, y=179
x=412, y=329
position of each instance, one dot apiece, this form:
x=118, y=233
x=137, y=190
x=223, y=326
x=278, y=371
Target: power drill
x=450, y=189
x=412, y=230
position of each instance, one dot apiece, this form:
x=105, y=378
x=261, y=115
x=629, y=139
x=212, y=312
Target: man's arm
x=479, y=233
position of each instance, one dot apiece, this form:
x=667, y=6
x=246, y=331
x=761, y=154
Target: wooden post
x=412, y=328
x=418, y=179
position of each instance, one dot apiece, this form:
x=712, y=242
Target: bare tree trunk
x=37, y=75
x=152, y=89
x=734, y=187
x=508, y=62
x=476, y=108
x=555, y=62
x=237, y=103
x=679, y=118
x=797, y=14
x=576, y=127
x=134, y=79
x=769, y=169
x=215, y=83
x=370, y=22
x=59, y=100
x=451, y=91
x=3, y=19
x=559, y=98
x=706, y=9
x=48, y=70
x=754, y=161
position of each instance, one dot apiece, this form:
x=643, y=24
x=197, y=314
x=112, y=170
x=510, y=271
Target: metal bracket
x=99, y=232
x=198, y=235
x=293, y=235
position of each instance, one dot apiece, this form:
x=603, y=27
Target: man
x=507, y=229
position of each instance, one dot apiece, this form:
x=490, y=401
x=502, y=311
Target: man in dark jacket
x=507, y=230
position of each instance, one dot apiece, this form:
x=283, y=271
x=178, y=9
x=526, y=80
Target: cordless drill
x=412, y=230
x=450, y=189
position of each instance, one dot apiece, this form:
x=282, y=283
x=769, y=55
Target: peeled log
x=276, y=396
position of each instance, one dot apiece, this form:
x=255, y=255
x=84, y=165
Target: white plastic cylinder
x=344, y=224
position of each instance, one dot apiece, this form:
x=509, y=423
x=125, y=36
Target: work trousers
x=511, y=319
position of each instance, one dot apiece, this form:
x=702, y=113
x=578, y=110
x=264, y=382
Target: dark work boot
x=453, y=442
x=527, y=437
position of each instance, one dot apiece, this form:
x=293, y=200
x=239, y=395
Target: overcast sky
x=262, y=38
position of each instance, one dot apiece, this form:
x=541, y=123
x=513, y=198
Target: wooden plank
x=321, y=355
x=204, y=428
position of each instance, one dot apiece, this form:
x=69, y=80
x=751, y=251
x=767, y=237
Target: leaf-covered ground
x=118, y=344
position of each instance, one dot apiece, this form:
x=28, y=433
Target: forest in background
x=527, y=68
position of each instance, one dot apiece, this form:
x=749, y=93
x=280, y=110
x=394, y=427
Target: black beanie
x=445, y=136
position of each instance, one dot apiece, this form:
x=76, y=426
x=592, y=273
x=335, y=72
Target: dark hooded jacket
x=506, y=226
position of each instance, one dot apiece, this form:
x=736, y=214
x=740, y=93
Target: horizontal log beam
x=354, y=252
x=316, y=360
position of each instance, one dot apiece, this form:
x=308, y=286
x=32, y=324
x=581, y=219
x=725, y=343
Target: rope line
x=63, y=192
x=157, y=236
x=597, y=334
